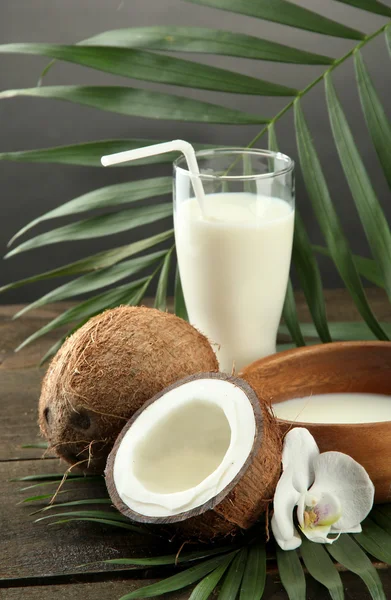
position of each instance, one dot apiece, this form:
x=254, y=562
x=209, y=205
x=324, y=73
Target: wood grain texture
x=114, y=589
x=107, y=590
x=33, y=550
x=328, y=368
x=19, y=393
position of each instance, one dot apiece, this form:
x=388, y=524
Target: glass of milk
x=234, y=252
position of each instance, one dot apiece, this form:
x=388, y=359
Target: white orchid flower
x=333, y=493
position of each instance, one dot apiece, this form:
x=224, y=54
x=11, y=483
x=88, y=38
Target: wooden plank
x=105, y=590
x=340, y=307
x=33, y=550
x=19, y=393
x=114, y=589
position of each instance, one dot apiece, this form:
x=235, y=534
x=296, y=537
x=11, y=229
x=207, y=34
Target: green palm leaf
x=161, y=290
x=321, y=567
x=172, y=559
x=89, y=154
x=381, y=514
x=291, y=574
x=129, y=293
x=211, y=41
x=179, y=581
x=365, y=266
x=373, y=6
x=112, y=195
x=254, y=576
x=285, y=13
x=310, y=278
x=205, y=587
x=233, y=578
x=179, y=300
x=350, y=555
x=75, y=503
x=375, y=540
x=329, y=221
x=101, y=260
x=110, y=522
x=291, y=320
x=307, y=269
x=98, y=226
x=95, y=281
x=367, y=204
x=39, y=498
x=147, y=66
x=104, y=514
x=378, y=125
x=139, y=103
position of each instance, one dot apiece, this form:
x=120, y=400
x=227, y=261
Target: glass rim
x=290, y=164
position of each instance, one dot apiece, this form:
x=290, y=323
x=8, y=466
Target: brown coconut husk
x=238, y=506
x=105, y=372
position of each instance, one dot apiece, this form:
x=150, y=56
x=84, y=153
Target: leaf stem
x=313, y=83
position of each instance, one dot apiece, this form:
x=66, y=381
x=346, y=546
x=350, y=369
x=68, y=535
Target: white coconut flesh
x=184, y=448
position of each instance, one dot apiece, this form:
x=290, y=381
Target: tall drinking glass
x=234, y=251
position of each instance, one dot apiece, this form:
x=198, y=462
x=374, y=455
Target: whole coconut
x=104, y=373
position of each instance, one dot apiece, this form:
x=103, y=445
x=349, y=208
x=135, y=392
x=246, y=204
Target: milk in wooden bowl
x=341, y=392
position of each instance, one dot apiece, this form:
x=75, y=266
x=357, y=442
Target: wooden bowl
x=328, y=368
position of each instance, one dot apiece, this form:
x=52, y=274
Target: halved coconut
x=203, y=454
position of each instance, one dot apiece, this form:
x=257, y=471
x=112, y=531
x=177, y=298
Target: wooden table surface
x=41, y=562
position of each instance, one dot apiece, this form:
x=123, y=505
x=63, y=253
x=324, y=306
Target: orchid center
x=320, y=511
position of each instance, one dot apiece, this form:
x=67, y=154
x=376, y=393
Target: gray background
x=28, y=190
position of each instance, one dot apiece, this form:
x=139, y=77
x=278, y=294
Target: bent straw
x=175, y=146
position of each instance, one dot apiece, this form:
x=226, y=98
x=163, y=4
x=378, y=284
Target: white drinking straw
x=175, y=146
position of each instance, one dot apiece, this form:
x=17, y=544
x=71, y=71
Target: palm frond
x=161, y=290
x=134, y=52
x=202, y=40
x=147, y=66
x=109, y=224
x=371, y=214
x=378, y=125
x=139, y=103
x=349, y=554
x=306, y=266
x=112, y=195
x=291, y=574
x=179, y=581
x=285, y=13
x=101, y=260
x=123, y=294
x=329, y=221
x=254, y=576
x=88, y=154
x=321, y=567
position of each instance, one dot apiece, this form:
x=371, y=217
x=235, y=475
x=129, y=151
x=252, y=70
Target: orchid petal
x=354, y=529
x=341, y=476
x=300, y=451
x=285, y=544
x=285, y=499
x=319, y=534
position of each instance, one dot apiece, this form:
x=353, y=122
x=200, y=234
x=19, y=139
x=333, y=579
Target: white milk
x=234, y=266
x=336, y=408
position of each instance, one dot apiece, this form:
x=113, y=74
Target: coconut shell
x=105, y=372
x=239, y=505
